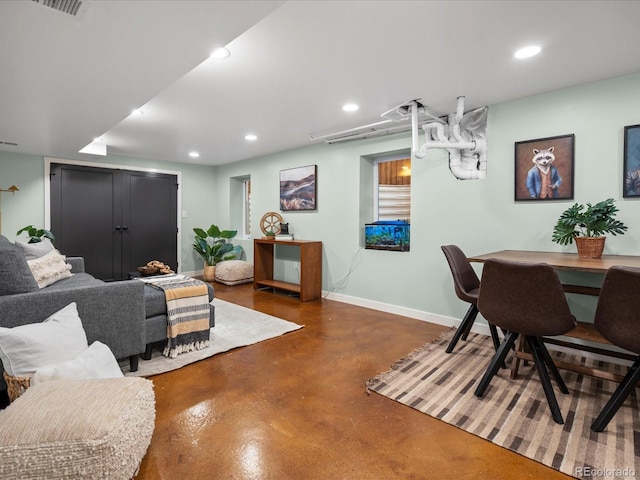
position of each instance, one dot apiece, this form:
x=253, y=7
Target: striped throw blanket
x=187, y=313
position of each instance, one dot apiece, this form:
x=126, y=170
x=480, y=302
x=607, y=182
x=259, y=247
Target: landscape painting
x=298, y=188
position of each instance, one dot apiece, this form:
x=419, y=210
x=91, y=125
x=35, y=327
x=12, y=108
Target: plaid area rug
x=514, y=412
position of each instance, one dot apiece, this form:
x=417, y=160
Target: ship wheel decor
x=270, y=223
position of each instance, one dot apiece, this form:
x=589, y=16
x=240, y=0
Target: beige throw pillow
x=49, y=268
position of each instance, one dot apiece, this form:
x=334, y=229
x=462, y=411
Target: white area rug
x=236, y=326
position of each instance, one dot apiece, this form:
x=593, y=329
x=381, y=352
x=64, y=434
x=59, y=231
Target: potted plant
x=587, y=224
x=36, y=234
x=212, y=246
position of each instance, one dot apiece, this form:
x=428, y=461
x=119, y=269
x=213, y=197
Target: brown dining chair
x=525, y=299
x=617, y=319
x=466, y=285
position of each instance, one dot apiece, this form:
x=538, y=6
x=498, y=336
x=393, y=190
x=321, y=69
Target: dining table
x=584, y=331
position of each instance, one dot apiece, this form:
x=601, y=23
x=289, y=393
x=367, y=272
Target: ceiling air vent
x=70, y=7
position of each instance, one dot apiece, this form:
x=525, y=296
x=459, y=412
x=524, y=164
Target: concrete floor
x=295, y=407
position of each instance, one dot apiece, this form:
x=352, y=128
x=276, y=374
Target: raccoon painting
x=543, y=180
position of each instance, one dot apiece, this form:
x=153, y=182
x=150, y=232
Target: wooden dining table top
x=562, y=261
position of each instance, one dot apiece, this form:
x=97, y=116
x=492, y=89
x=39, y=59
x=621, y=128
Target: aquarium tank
x=387, y=235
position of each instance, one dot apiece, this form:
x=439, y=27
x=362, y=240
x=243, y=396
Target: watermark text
x=604, y=472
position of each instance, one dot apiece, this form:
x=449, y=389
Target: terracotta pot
x=209, y=273
x=590, y=247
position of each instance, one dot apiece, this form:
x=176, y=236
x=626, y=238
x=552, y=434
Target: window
x=240, y=205
x=392, y=183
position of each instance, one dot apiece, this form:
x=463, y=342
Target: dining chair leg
x=538, y=358
x=617, y=399
x=496, y=362
x=467, y=321
x=494, y=336
x=468, y=326
x=550, y=365
x=496, y=340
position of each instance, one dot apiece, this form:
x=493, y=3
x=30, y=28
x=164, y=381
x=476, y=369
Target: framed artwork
x=544, y=169
x=631, y=173
x=298, y=188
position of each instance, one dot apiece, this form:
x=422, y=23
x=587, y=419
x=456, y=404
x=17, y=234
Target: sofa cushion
x=26, y=348
x=35, y=250
x=155, y=302
x=49, y=268
x=15, y=276
x=77, y=280
x=97, y=361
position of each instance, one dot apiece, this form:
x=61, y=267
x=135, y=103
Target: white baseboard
x=481, y=328
x=478, y=327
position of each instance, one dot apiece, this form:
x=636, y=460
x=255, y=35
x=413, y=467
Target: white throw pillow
x=97, y=361
x=26, y=348
x=49, y=268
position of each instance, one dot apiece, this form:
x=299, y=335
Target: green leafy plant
x=588, y=221
x=36, y=234
x=212, y=245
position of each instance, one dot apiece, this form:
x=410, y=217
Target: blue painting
x=632, y=161
x=298, y=188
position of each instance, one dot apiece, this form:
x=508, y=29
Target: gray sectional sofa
x=124, y=315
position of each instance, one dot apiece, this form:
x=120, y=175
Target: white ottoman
x=77, y=429
x=234, y=272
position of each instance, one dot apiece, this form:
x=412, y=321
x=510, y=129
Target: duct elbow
x=463, y=174
x=439, y=131
x=467, y=167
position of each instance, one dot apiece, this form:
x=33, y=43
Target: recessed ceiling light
x=136, y=112
x=250, y=137
x=350, y=107
x=194, y=154
x=221, y=53
x=527, y=52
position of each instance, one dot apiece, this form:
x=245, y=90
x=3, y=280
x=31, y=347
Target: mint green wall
x=27, y=205
x=478, y=215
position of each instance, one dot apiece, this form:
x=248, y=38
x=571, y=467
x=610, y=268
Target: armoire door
x=149, y=220
x=115, y=219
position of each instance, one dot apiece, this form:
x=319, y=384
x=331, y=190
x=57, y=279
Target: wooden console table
x=584, y=330
x=310, y=286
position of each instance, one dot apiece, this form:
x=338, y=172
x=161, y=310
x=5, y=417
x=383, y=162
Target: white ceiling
x=65, y=80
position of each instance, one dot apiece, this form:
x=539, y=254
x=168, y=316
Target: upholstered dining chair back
x=525, y=298
x=465, y=280
x=617, y=316
x=467, y=286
